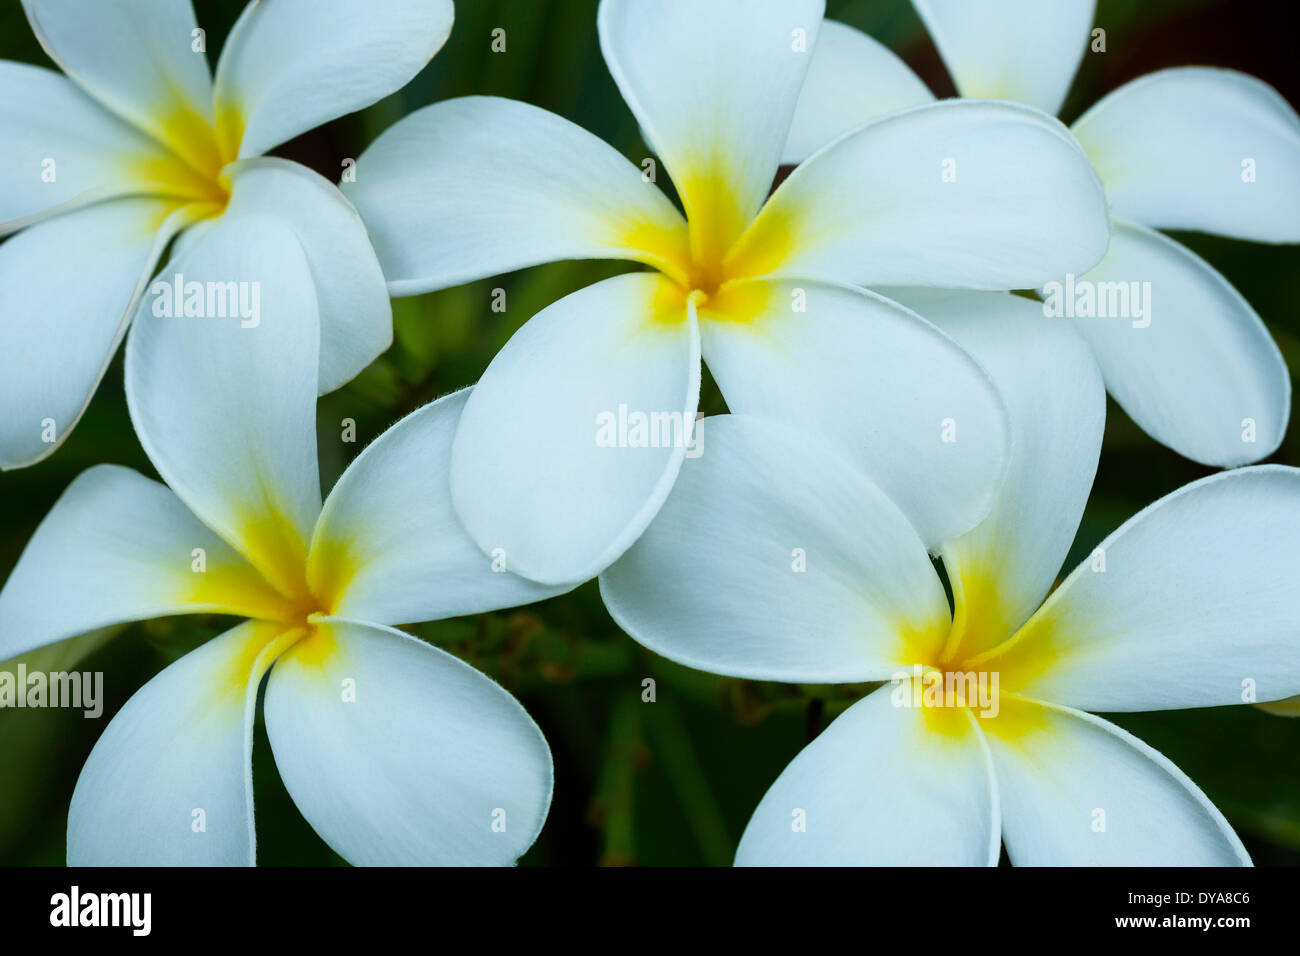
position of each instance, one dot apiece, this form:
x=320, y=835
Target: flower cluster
x=889, y=400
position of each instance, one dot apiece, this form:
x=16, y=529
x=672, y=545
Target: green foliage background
x=673, y=782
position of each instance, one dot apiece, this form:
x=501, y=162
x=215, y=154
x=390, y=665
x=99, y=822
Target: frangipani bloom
x=103, y=167
x=394, y=751
x=1189, y=148
x=1189, y=604
x=962, y=194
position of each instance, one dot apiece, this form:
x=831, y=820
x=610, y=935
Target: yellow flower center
x=710, y=261
x=288, y=620
x=277, y=592
x=191, y=167
x=972, y=667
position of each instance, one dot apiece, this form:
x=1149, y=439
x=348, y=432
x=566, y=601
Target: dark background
x=672, y=783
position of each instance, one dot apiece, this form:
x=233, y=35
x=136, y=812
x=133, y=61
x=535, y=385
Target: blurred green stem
x=673, y=746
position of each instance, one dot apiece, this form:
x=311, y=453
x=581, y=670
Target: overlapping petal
x=509, y=185
x=170, y=781
x=1021, y=50
x=714, y=86
x=880, y=787
x=388, y=547
x=138, y=58
x=291, y=65
x=1199, y=148
x=224, y=402
x=1188, y=359
x=356, y=318
x=909, y=407
x=118, y=547
x=1003, y=568
x=1079, y=791
x=775, y=559
x=852, y=79
x=550, y=473
x=1192, y=606
x=59, y=148
x=398, y=753
x=958, y=194
x=71, y=284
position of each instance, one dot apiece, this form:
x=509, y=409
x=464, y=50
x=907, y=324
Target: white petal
x=118, y=547
x=908, y=406
x=291, y=65
x=356, y=318
x=1002, y=570
x=70, y=286
x=1023, y=50
x=1199, y=148
x=549, y=471
x=170, y=781
x=1195, y=607
x=388, y=547
x=225, y=407
x=714, y=86
x=958, y=194
x=136, y=57
x=1198, y=371
x=776, y=559
x=426, y=761
x=880, y=788
x=478, y=186
x=852, y=79
x=1078, y=791
x=59, y=148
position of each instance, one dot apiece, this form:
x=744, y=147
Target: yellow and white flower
x=961, y=194
x=135, y=144
x=394, y=751
x=1188, y=604
x=1190, y=148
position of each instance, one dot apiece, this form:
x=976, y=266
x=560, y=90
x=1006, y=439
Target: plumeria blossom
x=135, y=144
x=554, y=465
x=394, y=751
x=1190, y=148
x=1188, y=604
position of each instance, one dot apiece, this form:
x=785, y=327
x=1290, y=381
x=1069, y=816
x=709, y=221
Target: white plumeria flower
x=1187, y=148
x=1189, y=604
x=394, y=751
x=104, y=166
x=757, y=286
